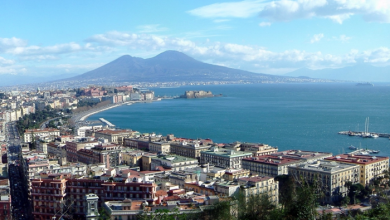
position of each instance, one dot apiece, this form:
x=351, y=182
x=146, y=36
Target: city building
x=305, y=156
x=233, y=174
x=174, y=162
x=113, y=135
x=191, y=149
x=371, y=167
x=5, y=200
x=258, y=149
x=260, y=185
x=160, y=147
x=28, y=134
x=54, y=193
x=224, y=158
x=268, y=165
x=331, y=177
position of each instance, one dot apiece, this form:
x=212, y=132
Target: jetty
x=106, y=122
x=364, y=134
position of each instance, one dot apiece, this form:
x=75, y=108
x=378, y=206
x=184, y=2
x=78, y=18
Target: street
x=21, y=209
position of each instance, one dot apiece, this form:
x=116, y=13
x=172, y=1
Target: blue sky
x=71, y=37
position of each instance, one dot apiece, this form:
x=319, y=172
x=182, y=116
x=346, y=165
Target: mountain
x=359, y=72
x=169, y=66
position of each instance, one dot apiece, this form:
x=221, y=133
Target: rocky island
x=198, y=94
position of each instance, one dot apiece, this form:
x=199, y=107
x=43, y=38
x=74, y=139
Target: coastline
x=83, y=116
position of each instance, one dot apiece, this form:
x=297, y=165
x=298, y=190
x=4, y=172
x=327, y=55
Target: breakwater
x=106, y=122
x=364, y=134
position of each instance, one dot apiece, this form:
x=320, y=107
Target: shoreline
x=83, y=116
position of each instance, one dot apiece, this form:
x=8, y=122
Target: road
x=20, y=206
x=46, y=123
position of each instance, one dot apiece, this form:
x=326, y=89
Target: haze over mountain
x=168, y=66
x=359, y=72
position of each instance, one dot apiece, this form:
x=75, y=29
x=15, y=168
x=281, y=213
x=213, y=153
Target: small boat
x=374, y=135
x=363, y=153
x=376, y=151
x=352, y=147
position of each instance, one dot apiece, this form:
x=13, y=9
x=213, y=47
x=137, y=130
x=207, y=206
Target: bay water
x=289, y=116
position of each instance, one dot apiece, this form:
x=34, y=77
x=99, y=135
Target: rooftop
x=173, y=158
x=226, y=153
x=357, y=159
x=270, y=159
x=324, y=166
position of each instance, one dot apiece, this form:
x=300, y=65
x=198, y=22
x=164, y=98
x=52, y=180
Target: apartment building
x=28, y=134
x=54, y=193
x=233, y=174
x=5, y=200
x=133, y=158
x=260, y=185
x=258, y=149
x=371, y=167
x=48, y=196
x=113, y=136
x=189, y=149
x=305, y=156
x=174, y=162
x=331, y=176
x=224, y=158
x=268, y=165
x=160, y=147
x=72, y=147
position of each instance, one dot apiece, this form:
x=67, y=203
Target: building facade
x=224, y=158
x=371, y=167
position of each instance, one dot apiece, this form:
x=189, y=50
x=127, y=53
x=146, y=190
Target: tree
x=103, y=215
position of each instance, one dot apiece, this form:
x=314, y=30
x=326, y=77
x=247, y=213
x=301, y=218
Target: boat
x=352, y=147
x=366, y=134
x=376, y=151
x=374, y=135
x=363, y=153
x=365, y=84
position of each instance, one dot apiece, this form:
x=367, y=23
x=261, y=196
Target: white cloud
x=5, y=62
x=377, y=56
x=316, y=38
x=151, y=28
x=265, y=24
x=287, y=10
x=249, y=57
x=9, y=43
x=343, y=38
x=242, y=9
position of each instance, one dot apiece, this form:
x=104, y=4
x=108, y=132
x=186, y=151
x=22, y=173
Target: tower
x=91, y=212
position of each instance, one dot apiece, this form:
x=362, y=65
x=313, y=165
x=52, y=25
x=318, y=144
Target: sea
x=287, y=116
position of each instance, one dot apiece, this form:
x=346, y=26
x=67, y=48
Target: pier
x=106, y=122
x=362, y=134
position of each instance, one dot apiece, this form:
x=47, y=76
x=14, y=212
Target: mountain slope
x=168, y=66
x=359, y=72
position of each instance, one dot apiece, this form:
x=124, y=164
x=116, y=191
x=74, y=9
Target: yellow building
x=232, y=174
x=260, y=185
x=371, y=167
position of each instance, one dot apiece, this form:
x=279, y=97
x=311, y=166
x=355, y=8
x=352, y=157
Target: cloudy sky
x=46, y=38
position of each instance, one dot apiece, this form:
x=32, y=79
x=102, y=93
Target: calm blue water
x=289, y=116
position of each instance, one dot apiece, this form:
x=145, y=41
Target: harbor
x=361, y=151
x=365, y=134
